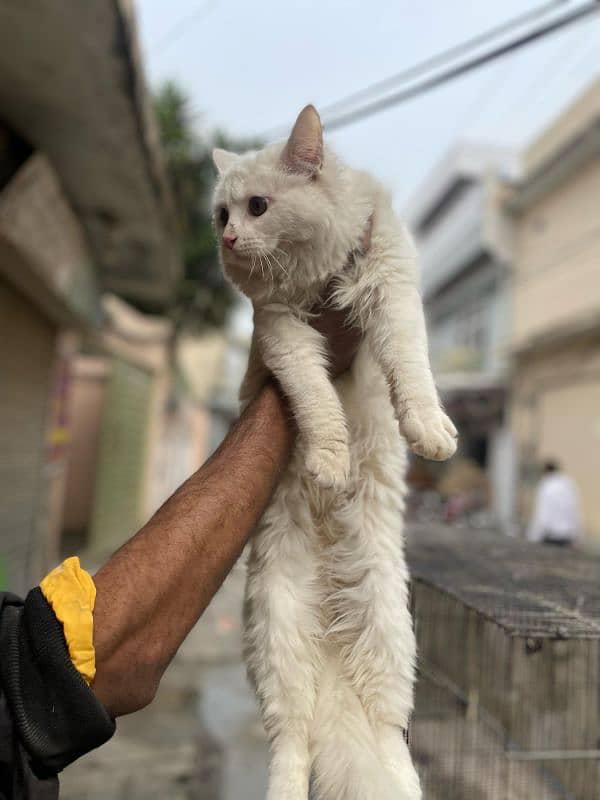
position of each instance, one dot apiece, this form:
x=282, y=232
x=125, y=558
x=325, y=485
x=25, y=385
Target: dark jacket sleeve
x=53, y=715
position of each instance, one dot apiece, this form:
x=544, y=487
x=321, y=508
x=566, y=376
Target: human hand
x=343, y=338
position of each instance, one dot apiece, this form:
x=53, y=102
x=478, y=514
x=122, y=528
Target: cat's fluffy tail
x=354, y=759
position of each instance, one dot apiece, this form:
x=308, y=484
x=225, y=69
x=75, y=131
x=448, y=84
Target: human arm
x=148, y=596
x=153, y=590
x=342, y=343
x=256, y=374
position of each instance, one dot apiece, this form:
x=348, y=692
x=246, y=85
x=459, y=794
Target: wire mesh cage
x=508, y=694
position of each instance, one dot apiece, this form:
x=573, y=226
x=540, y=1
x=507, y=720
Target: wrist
x=272, y=418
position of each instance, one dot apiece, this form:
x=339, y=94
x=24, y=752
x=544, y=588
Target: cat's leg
x=370, y=618
x=282, y=635
x=256, y=375
x=295, y=353
x=398, y=339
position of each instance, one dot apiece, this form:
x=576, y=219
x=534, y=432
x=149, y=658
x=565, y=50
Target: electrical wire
x=181, y=26
x=540, y=85
x=440, y=59
x=437, y=60
x=462, y=69
x=403, y=95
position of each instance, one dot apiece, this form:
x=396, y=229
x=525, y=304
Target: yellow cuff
x=71, y=592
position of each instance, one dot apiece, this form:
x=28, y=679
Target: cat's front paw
x=329, y=464
x=429, y=432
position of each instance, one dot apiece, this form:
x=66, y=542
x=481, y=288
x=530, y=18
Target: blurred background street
x=122, y=348
x=202, y=737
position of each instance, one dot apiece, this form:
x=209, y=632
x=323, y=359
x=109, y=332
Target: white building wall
x=453, y=240
x=468, y=322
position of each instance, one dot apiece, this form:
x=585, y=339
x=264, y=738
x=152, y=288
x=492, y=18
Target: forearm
x=153, y=590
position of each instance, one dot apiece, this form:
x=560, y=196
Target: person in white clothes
x=556, y=516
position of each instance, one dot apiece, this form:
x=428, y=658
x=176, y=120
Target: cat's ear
x=303, y=151
x=223, y=159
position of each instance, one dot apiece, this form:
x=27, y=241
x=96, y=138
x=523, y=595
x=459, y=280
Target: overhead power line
x=181, y=26
x=440, y=59
x=432, y=62
x=441, y=78
x=462, y=69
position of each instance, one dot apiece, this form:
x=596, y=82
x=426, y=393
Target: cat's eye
x=257, y=206
x=223, y=216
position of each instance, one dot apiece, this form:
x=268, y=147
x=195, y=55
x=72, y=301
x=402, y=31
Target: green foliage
x=204, y=297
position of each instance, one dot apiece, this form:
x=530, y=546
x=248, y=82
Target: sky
x=249, y=66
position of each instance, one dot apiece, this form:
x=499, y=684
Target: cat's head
x=269, y=204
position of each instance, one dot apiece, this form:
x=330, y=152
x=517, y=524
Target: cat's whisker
x=279, y=264
x=262, y=269
x=270, y=266
x=281, y=252
x=265, y=257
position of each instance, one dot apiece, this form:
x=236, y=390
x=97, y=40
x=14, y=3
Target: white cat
x=328, y=636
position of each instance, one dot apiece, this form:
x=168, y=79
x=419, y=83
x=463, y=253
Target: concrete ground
x=201, y=738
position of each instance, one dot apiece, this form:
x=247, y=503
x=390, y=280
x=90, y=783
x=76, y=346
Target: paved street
x=201, y=738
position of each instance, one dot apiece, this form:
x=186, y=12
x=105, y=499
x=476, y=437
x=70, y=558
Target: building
x=137, y=433
x=459, y=223
x=84, y=208
x=224, y=397
x=556, y=325
x=134, y=435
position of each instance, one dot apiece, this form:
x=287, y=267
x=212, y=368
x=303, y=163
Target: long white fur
x=329, y=642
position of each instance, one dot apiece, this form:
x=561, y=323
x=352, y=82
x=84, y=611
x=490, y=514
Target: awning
x=71, y=84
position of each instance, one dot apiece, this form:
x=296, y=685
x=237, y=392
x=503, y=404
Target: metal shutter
x=27, y=342
x=122, y=460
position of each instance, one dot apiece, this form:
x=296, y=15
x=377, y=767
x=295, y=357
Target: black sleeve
x=55, y=717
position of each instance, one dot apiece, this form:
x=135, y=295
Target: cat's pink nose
x=229, y=241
